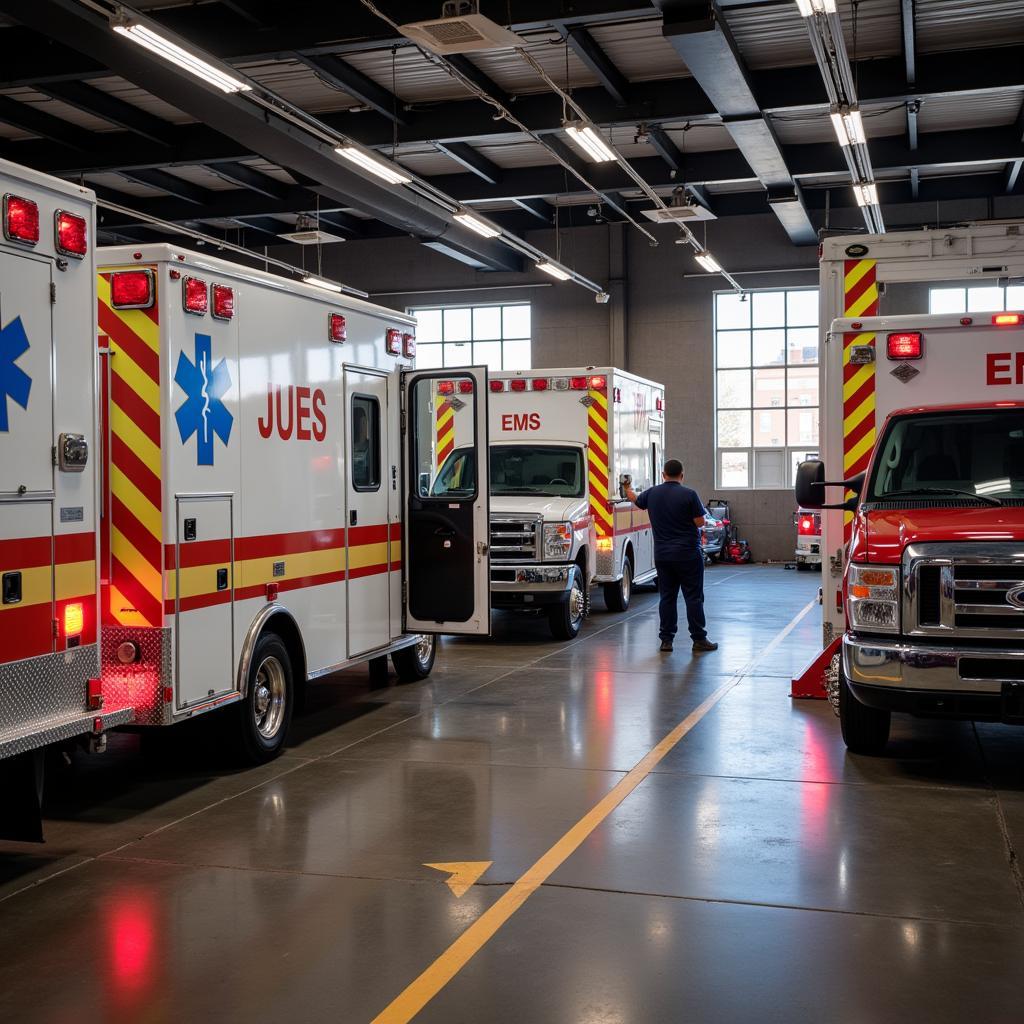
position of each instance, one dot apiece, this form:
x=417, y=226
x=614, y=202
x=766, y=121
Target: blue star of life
x=203, y=413
x=15, y=383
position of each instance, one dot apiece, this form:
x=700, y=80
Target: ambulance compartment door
x=447, y=501
x=204, y=591
x=645, y=538
x=368, y=569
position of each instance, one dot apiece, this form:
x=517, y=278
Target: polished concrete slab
x=756, y=872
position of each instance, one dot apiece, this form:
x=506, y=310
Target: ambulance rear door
x=447, y=505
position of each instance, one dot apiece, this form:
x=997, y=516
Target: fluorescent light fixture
x=809, y=7
x=554, y=270
x=866, y=193
x=322, y=282
x=477, y=225
x=849, y=126
x=175, y=54
x=708, y=262
x=389, y=172
x=588, y=140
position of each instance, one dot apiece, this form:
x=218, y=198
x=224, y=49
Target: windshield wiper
x=517, y=490
x=916, y=491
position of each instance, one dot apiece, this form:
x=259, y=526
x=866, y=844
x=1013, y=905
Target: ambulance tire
x=263, y=717
x=566, y=617
x=865, y=730
x=417, y=661
x=804, y=567
x=617, y=595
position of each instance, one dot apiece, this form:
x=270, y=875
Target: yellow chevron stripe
x=860, y=339
x=600, y=403
x=602, y=518
x=858, y=380
x=135, y=501
x=124, y=427
x=444, y=418
x=864, y=445
x=864, y=302
x=118, y=605
x=136, y=379
x=859, y=270
x=857, y=416
x=146, y=575
x=597, y=442
x=597, y=489
x=35, y=588
x=135, y=319
x=73, y=579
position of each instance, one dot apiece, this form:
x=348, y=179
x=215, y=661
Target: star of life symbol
x=203, y=412
x=15, y=383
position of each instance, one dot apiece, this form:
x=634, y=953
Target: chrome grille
x=514, y=540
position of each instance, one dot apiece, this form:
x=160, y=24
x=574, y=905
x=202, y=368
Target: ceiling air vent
x=682, y=209
x=461, y=29
x=308, y=233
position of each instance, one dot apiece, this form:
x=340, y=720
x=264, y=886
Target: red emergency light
x=132, y=289
x=446, y=387
x=598, y=383
x=805, y=527
x=497, y=385
x=336, y=330
x=21, y=220
x=71, y=233
x=196, y=295
x=905, y=345
x=465, y=387
x=540, y=384
x=393, y=342
x=659, y=404
x=578, y=383
x=1008, y=319
x=517, y=384
x=409, y=346
x=223, y=302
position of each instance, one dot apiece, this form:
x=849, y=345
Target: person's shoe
x=704, y=645
x=666, y=646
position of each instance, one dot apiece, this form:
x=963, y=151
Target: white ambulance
x=257, y=528
x=49, y=658
x=561, y=440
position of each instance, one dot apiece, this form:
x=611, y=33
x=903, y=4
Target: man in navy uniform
x=677, y=514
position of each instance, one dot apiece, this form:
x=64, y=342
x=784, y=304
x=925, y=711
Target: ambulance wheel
x=617, y=595
x=865, y=730
x=415, y=662
x=266, y=712
x=803, y=567
x=566, y=617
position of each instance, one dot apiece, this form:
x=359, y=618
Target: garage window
x=985, y=298
x=766, y=385
x=497, y=337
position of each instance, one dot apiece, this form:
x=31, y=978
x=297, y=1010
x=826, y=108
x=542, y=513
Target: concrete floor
x=757, y=872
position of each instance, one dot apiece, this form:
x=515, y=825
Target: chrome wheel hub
x=425, y=648
x=269, y=698
x=576, y=603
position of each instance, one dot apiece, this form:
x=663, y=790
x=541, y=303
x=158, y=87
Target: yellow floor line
x=416, y=996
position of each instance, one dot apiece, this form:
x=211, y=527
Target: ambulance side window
x=365, y=443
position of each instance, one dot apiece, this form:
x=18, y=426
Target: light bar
x=554, y=270
x=1008, y=319
x=588, y=140
x=181, y=57
x=849, y=126
x=866, y=194
x=477, y=225
x=322, y=282
x=391, y=174
x=708, y=262
x=810, y=7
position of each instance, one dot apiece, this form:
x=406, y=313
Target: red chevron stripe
x=600, y=427
x=141, y=600
x=136, y=470
x=854, y=437
x=134, y=532
x=854, y=402
x=145, y=418
x=858, y=290
x=129, y=342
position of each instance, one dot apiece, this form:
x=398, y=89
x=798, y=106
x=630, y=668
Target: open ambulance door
x=445, y=462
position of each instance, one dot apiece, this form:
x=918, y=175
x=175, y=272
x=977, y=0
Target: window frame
x=422, y=377
x=441, y=344
x=375, y=422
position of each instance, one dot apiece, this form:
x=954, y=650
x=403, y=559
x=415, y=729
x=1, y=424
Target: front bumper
x=517, y=586
x=956, y=682
x=810, y=553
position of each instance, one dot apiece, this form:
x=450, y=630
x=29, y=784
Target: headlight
x=873, y=598
x=557, y=541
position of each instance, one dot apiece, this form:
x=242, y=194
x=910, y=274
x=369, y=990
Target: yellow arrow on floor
x=463, y=873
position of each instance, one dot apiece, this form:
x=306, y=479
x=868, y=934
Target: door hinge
x=56, y=629
x=405, y=591
x=53, y=455
x=53, y=291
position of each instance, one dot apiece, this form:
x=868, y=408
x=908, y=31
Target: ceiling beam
x=1013, y=178
x=337, y=73
x=472, y=73
x=249, y=177
x=593, y=57
x=111, y=109
x=172, y=184
x=665, y=147
x=465, y=154
x=909, y=40
x=538, y=208
x=32, y=119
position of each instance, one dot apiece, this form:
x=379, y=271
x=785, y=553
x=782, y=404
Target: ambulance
x=562, y=442
x=49, y=608
x=932, y=587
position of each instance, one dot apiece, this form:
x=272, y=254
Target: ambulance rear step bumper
x=61, y=728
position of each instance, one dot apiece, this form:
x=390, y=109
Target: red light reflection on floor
x=814, y=796
x=131, y=928
x=605, y=695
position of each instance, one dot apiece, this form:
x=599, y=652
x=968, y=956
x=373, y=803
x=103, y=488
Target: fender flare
x=256, y=628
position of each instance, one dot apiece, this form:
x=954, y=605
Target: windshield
x=960, y=454
x=556, y=471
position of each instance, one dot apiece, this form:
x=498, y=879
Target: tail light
x=905, y=345
x=409, y=346
x=195, y=295
x=132, y=289
x=21, y=220
x=578, y=383
x=393, y=342
x=598, y=383
x=604, y=543
x=74, y=618
x=446, y=387
x=805, y=526
x=497, y=385
x=540, y=384
x=465, y=387
x=659, y=404
x=517, y=384
x=1008, y=319
x=336, y=329
x=71, y=234
x=223, y=302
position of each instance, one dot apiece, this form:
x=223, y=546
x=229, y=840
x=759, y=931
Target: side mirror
x=624, y=481
x=810, y=484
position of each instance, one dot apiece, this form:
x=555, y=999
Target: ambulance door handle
x=444, y=531
x=353, y=518
x=394, y=478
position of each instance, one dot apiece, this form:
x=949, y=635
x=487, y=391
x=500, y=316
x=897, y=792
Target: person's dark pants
x=686, y=575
